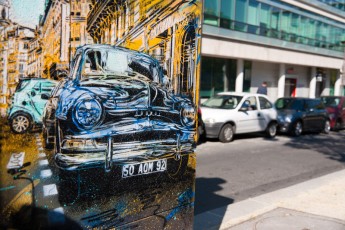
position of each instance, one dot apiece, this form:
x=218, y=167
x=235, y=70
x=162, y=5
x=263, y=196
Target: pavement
x=316, y=204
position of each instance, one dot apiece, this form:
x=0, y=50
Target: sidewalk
x=315, y=204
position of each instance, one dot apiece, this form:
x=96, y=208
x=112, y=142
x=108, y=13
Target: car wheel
x=177, y=168
x=68, y=186
x=271, y=130
x=21, y=123
x=226, y=133
x=297, y=129
x=337, y=125
x=327, y=127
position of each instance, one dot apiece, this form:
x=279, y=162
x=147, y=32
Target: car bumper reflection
x=213, y=129
x=77, y=157
x=284, y=127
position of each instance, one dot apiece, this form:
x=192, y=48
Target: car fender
x=36, y=118
x=26, y=111
x=67, y=100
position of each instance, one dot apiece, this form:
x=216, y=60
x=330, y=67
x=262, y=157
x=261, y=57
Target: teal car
x=27, y=105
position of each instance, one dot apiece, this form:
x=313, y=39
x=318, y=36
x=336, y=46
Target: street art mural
x=100, y=123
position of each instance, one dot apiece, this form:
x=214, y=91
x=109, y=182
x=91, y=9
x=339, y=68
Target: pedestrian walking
x=262, y=88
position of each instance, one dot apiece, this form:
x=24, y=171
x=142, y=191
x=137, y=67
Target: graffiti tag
x=16, y=160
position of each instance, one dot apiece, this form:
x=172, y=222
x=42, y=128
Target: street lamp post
x=4, y=23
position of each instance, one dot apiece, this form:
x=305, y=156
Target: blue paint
x=7, y=188
x=184, y=199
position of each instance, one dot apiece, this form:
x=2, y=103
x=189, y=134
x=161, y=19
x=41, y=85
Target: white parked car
x=231, y=113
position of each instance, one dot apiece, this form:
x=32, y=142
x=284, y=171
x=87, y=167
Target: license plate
x=143, y=168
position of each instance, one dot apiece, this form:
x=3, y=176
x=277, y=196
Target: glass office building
x=295, y=46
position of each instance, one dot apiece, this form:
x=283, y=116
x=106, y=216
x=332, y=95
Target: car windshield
x=223, y=102
x=106, y=64
x=330, y=101
x=22, y=84
x=289, y=103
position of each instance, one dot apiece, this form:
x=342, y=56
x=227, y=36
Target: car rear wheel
x=338, y=125
x=21, y=123
x=327, y=127
x=271, y=130
x=226, y=133
x=297, y=129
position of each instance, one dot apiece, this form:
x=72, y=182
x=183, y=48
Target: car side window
x=315, y=104
x=253, y=104
x=319, y=104
x=264, y=103
x=37, y=86
x=343, y=104
x=47, y=86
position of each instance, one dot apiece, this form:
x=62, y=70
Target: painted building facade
x=14, y=52
x=295, y=46
x=167, y=30
x=63, y=29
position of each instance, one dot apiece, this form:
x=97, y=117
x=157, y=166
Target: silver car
x=231, y=113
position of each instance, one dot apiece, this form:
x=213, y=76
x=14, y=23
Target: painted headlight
x=88, y=113
x=188, y=115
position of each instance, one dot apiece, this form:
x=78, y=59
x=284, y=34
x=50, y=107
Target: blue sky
x=26, y=12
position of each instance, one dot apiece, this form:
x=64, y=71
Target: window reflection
x=255, y=17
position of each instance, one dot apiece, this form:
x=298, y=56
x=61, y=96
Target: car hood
x=332, y=109
x=286, y=112
x=118, y=93
x=218, y=115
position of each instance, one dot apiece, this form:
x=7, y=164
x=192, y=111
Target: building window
x=226, y=7
x=247, y=76
x=257, y=17
x=217, y=75
x=211, y=9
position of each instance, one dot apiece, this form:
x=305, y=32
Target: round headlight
x=188, y=115
x=88, y=113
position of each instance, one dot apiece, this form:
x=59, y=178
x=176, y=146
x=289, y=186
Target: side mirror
x=44, y=96
x=244, y=108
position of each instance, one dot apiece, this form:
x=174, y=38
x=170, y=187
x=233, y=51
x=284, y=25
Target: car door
x=45, y=88
x=342, y=110
x=266, y=112
x=314, y=119
x=248, y=116
x=35, y=99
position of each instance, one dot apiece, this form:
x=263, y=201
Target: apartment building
x=63, y=29
x=293, y=45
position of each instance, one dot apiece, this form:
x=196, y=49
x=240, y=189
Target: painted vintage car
x=115, y=109
x=26, y=107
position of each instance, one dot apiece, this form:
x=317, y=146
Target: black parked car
x=296, y=115
x=115, y=109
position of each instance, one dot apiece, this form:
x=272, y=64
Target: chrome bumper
x=107, y=154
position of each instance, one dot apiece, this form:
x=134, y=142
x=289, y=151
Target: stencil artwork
x=98, y=108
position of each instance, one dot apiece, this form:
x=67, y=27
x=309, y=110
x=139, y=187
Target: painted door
x=290, y=87
x=251, y=119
